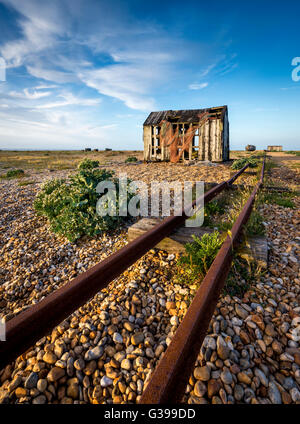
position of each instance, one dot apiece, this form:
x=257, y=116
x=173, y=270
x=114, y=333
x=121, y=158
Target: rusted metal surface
x=235, y=176
x=178, y=142
x=169, y=380
x=185, y=115
x=29, y=326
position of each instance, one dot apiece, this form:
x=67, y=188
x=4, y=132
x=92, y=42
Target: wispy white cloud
x=31, y=95
x=222, y=65
x=45, y=86
x=127, y=83
x=48, y=129
x=69, y=99
x=266, y=109
x=293, y=87
x=198, y=86
x=208, y=69
x=40, y=25
x=51, y=74
x=48, y=38
x=74, y=53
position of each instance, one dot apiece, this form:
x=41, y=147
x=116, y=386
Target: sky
x=86, y=73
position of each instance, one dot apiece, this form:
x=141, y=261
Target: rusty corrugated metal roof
x=188, y=116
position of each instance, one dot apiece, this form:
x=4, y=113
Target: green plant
x=15, y=173
x=70, y=205
x=255, y=224
x=269, y=164
x=240, y=163
x=88, y=164
x=238, y=200
x=212, y=209
x=25, y=183
x=284, y=199
x=131, y=159
x=241, y=276
x=293, y=152
x=199, y=256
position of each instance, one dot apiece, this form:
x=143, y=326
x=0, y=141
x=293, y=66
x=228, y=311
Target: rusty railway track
x=170, y=378
x=24, y=330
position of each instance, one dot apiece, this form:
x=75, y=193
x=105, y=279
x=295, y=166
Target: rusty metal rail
x=170, y=378
x=24, y=330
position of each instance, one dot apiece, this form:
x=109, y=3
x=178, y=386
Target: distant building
x=199, y=134
x=274, y=148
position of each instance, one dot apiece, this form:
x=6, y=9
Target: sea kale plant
x=14, y=173
x=70, y=204
x=88, y=164
x=131, y=159
x=240, y=163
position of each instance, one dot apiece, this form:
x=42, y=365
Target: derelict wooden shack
x=197, y=134
x=274, y=148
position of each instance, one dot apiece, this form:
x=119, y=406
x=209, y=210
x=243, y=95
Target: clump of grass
x=293, y=152
x=269, y=164
x=200, y=254
x=294, y=166
x=131, y=159
x=239, y=199
x=255, y=225
x=211, y=210
x=240, y=163
x=14, y=173
x=59, y=165
x=111, y=154
x=241, y=276
x=284, y=199
x=25, y=183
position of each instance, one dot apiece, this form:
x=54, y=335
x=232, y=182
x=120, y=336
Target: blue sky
x=86, y=73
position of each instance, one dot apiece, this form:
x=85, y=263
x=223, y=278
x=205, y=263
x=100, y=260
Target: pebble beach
x=106, y=351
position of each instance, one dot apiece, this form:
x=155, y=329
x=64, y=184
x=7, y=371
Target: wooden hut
x=274, y=148
x=197, y=134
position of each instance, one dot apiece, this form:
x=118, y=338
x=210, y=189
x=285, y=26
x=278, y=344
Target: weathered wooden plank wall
x=211, y=142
